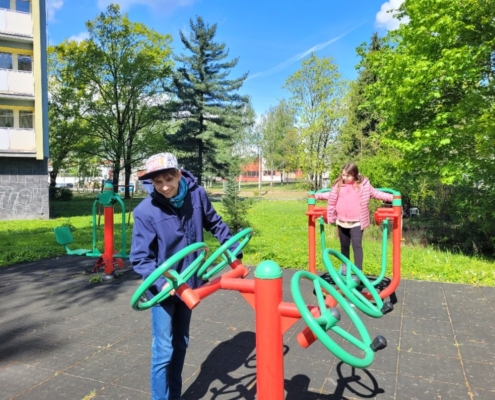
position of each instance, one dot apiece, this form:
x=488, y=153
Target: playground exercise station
x=110, y=258
x=386, y=216
x=273, y=317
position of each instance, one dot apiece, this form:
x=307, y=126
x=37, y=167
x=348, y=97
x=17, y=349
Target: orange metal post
x=269, y=343
x=311, y=233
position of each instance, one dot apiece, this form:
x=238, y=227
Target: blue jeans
x=170, y=337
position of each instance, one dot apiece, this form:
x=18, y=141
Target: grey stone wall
x=23, y=188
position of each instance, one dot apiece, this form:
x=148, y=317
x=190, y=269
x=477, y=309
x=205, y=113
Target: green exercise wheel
x=328, y=319
x=349, y=286
x=227, y=255
x=174, y=278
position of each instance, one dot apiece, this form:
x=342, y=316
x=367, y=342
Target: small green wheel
x=348, y=285
x=227, y=255
x=173, y=278
x=328, y=319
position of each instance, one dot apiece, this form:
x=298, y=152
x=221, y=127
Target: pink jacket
x=367, y=192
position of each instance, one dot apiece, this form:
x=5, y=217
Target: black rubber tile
x=426, y=344
x=480, y=375
x=115, y=392
x=62, y=387
x=477, y=351
x=409, y=388
x=346, y=382
x=432, y=367
x=60, y=356
x=427, y=326
x=105, y=366
x=17, y=378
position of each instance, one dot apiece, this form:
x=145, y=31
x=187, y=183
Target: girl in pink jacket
x=348, y=207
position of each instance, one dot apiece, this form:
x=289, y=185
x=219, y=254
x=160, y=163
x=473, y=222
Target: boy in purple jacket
x=348, y=208
x=171, y=218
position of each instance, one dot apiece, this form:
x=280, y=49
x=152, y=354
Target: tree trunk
x=53, y=177
x=127, y=171
x=200, y=161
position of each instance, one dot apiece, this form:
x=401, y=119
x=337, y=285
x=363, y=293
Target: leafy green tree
x=120, y=72
x=277, y=141
x=435, y=88
x=207, y=104
x=317, y=93
x=435, y=93
x=67, y=128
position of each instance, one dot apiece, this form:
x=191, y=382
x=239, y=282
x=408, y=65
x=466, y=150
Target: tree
x=317, y=91
x=120, y=72
x=435, y=88
x=277, y=142
x=435, y=91
x=235, y=207
x=359, y=137
x=67, y=128
x=207, y=103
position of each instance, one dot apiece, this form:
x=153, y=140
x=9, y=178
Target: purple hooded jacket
x=161, y=230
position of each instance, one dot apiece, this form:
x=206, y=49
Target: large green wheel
x=349, y=286
x=227, y=255
x=173, y=278
x=328, y=319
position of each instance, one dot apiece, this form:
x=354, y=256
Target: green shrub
x=62, y=194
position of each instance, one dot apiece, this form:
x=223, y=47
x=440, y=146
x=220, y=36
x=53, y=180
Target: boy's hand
x=172, y=292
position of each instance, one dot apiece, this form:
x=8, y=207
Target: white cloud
x=80, y=36
x=385, y=18
x=299, y=56
x=158, y=4
x=52, y=6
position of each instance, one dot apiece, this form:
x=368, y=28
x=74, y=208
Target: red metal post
x=269, y=343
x=311, y=234
x=396, y=248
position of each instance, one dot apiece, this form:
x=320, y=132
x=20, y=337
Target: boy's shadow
x=227, y=357
x=234, y=357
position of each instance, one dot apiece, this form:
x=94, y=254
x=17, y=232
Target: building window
x=26, y=119
x=6, y=118
x=5, y=61
x=5, y=4
x=22, y=5
x=24, y=63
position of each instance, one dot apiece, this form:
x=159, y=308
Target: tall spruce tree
x=362, y=120
x=207, y=103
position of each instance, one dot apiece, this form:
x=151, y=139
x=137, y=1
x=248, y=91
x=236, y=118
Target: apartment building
x=23, y=110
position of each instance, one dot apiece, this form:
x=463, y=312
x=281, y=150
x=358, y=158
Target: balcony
x=17, y=82
x=16, y=23
x=17, y=140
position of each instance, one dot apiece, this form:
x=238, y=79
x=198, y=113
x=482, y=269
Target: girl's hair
x=351, y=169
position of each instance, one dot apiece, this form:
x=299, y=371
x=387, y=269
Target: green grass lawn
x=280, y=234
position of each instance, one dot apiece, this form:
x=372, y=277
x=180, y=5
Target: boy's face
x=167, y=184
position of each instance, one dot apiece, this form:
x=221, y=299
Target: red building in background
x=252, y=171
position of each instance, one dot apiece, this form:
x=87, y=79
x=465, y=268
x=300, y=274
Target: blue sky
x=270, y=37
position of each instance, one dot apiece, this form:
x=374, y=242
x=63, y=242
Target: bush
x=60, y=193
x=235, y=207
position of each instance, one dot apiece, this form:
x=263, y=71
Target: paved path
x=62, y=337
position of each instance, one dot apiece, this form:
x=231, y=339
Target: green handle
x=173, y=278
x=227, y=255
x=348, y=286
x=328, y=319
x=391, y=191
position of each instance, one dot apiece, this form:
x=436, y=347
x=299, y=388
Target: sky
x=270, y=37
